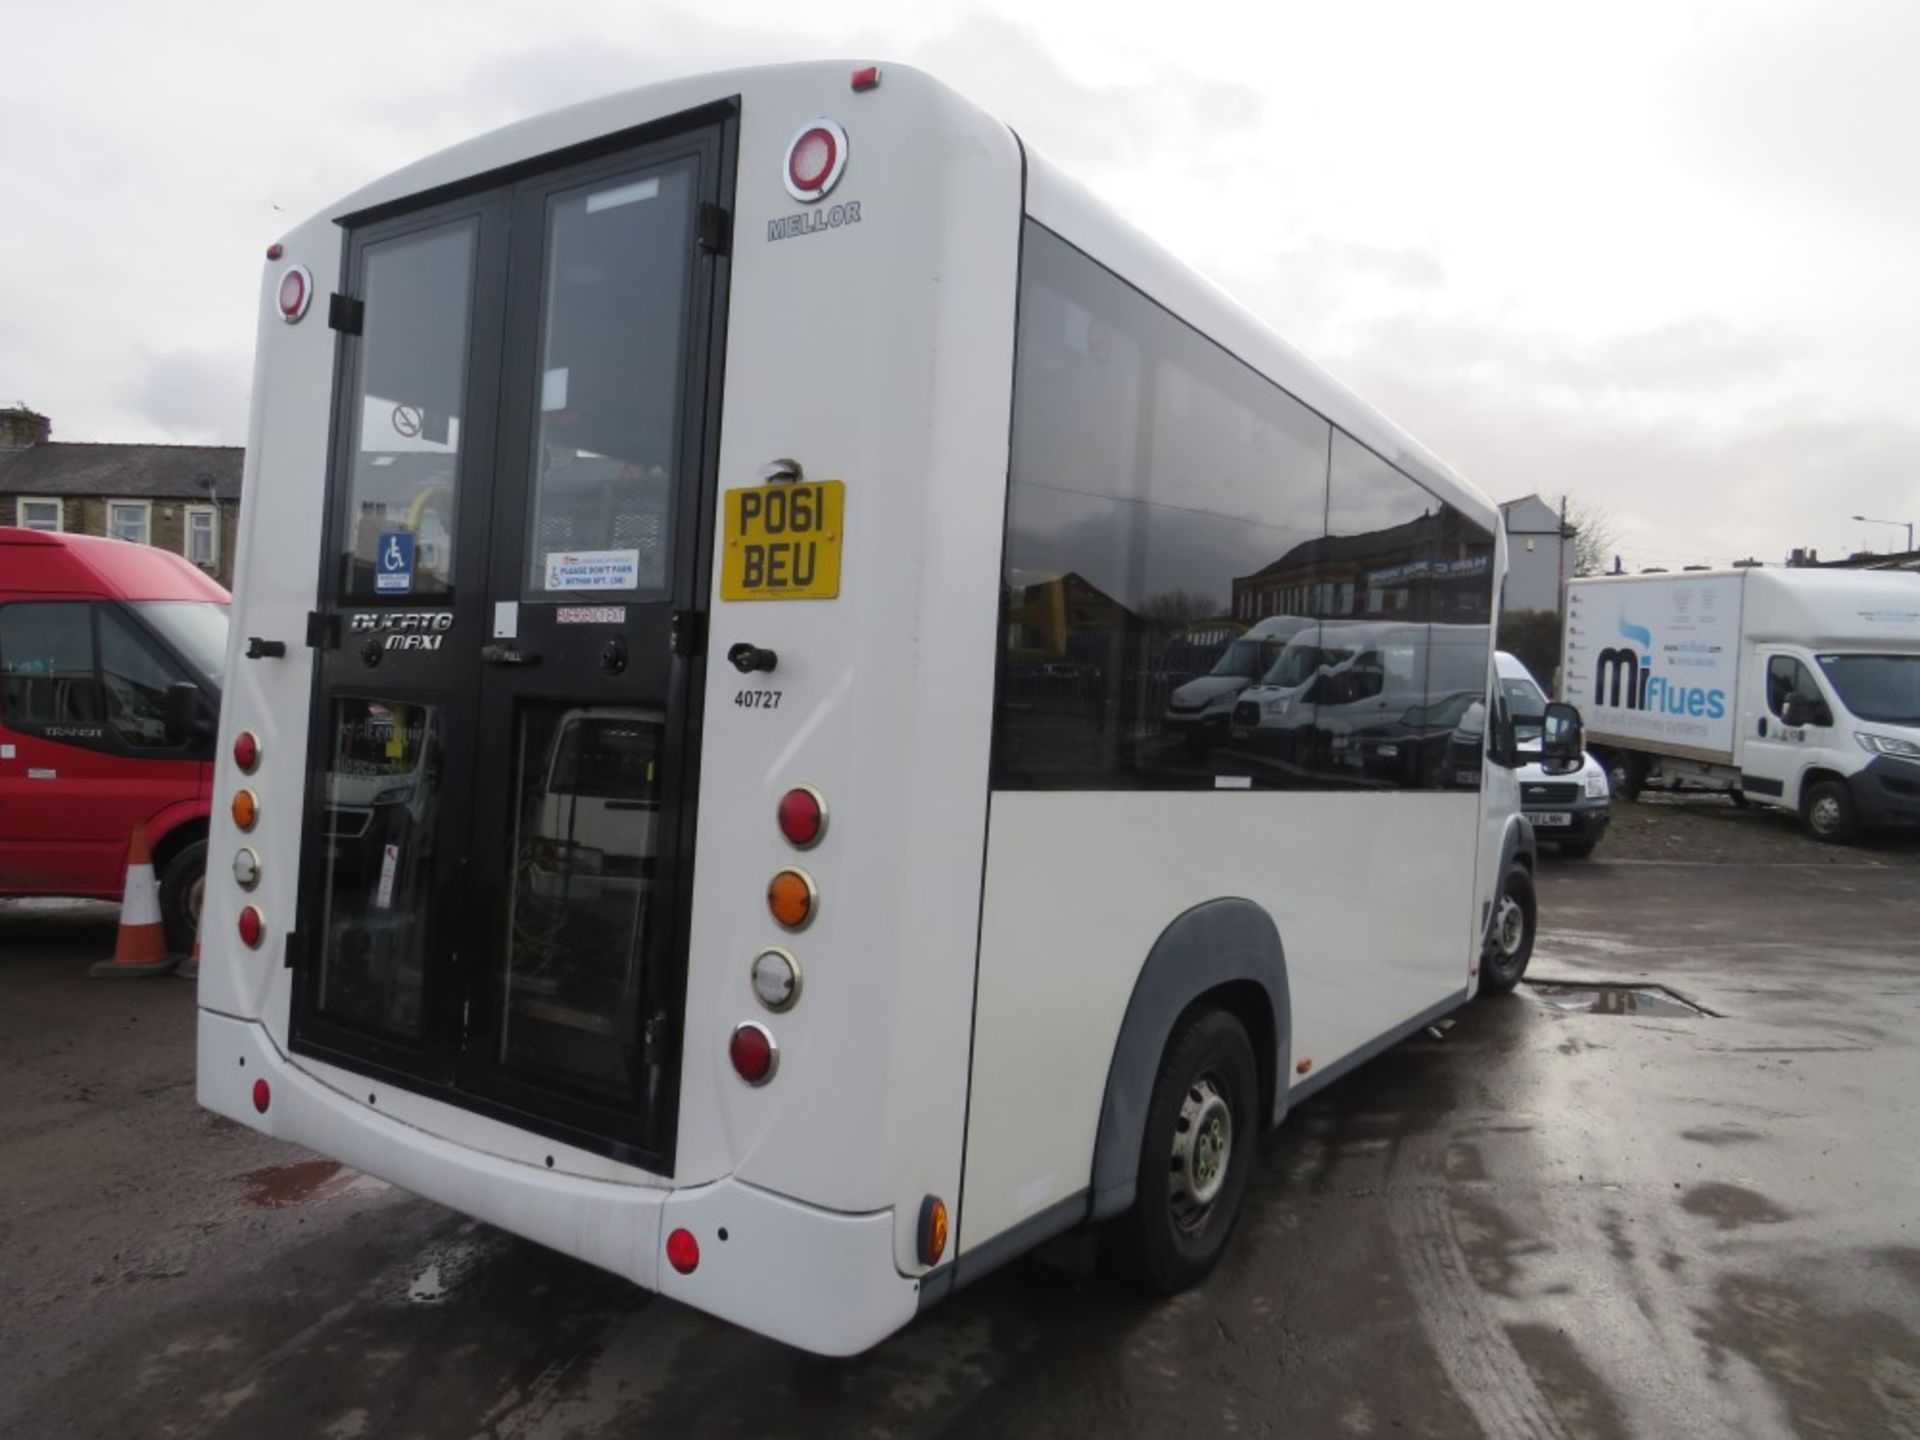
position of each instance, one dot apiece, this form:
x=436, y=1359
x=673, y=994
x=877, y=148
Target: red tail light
x=262, y=1096
x=253, y=927
x=683, y=1251
x=296, y=293
x=753, y=1053
x=246, y=751
x=803, y=816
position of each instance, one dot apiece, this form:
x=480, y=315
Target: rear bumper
x=1886, y=794
x=816, y=1279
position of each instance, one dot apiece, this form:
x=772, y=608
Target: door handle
x=507, y=655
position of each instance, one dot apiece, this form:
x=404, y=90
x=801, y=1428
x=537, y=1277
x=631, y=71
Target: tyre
x=1194, y=1155
x=181, y=886
x=1625, y=773
x=1510, y=945
x=1577, y=849
x=1739, y=798
x=1826, y=810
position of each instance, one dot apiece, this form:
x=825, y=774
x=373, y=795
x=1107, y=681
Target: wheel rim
x=196, y=896
x=1202, y=1152
x=1509, y=927
x=1617, y=776
x=1825, y=814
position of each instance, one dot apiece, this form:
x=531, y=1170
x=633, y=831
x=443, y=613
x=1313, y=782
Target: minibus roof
x=42, y=563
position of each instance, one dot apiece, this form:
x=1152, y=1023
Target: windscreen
x=1885, y=688
x=197, y=629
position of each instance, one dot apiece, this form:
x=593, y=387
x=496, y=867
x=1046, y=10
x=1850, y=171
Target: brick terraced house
x=183, y=498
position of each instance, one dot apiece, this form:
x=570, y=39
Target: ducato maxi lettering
x=405, y=629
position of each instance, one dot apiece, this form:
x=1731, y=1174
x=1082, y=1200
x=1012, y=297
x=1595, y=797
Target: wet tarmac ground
x=1671, y=1189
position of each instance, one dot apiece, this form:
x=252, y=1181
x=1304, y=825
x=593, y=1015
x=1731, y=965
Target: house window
x=130, y=520
x=39, y=514
x=203, y=536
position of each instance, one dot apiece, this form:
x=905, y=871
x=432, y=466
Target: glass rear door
x=499, y=834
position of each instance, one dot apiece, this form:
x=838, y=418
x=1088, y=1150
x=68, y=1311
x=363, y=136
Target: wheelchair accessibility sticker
x=393, y=565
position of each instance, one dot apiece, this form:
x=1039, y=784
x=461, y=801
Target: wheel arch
x=1224, y=953
x=172, y=830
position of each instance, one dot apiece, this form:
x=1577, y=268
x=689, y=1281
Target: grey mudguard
x=1218, y=943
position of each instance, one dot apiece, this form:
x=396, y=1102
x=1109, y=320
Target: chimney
x=21, y=428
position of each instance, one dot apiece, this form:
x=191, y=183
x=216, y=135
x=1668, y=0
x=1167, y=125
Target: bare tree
x=1174, y=608
x=1596, y=535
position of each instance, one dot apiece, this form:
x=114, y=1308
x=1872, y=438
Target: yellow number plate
x=783, y=541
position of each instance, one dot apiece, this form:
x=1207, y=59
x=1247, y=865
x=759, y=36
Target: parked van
x=1201, y=710
x=1791, y=688
x=110, y=670
x=1568, y=810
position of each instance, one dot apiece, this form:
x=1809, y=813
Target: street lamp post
x=1897, y=524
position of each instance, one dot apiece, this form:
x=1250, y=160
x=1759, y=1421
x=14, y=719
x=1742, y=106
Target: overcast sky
x=1664, y=257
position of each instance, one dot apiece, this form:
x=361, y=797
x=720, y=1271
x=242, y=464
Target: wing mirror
x=1563, y=739
x=186, y=715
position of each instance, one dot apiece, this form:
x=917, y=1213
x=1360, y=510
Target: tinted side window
x=133, y=683
x=1155, y=479
x=47, y=675
x=1787, y=676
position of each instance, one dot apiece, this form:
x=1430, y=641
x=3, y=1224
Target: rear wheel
x=1194, y=1154
x=1826, y=809
x=182, y=885
x=1510, y=945
x=1625, y=773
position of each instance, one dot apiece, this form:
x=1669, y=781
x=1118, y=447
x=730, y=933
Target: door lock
x=747, y=658
x=613, y=655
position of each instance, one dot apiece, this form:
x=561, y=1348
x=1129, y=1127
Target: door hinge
x=715, y=228
x=323, y=630
x=688, y=635
x=296, y=950
x=346, y=314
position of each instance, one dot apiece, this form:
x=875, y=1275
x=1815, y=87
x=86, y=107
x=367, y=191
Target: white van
x=1569, y=811
x=1798, y=689
x=1200, y=711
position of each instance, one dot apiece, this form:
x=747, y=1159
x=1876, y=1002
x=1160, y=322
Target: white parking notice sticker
x=391, y=863
x=593, y=569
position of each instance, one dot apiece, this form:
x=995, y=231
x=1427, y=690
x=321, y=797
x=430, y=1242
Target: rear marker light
x=866, y=78
x=276, y=250
x=776, y=979
x=933, y=1230
x=803, y=816
x=252, y=927
x=246, y=867
x=815, y=157
x=246, y=751
x=246, y=809
x=792, y=898
x=754, y=1055
x=683, y=1251
x=262, y=1096
x=296, y=293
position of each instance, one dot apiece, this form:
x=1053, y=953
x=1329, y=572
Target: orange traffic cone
x=142, y=946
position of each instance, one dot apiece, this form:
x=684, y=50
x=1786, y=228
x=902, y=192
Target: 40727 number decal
x=758, y=699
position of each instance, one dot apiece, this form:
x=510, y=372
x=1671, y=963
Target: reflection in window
x=587, y=786
x=46, y=665
x=133, y=684
x=1205, y=581
x=406, y=431
x=381, y=793
x=612, y=346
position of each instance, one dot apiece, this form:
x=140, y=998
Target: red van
x=110, y=663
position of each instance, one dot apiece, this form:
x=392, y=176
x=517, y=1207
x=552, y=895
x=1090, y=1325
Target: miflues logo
x=1624, y=680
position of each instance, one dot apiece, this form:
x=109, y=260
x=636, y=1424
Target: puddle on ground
x=1605, y=999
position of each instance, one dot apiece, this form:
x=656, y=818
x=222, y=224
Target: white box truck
x=1793, y=688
